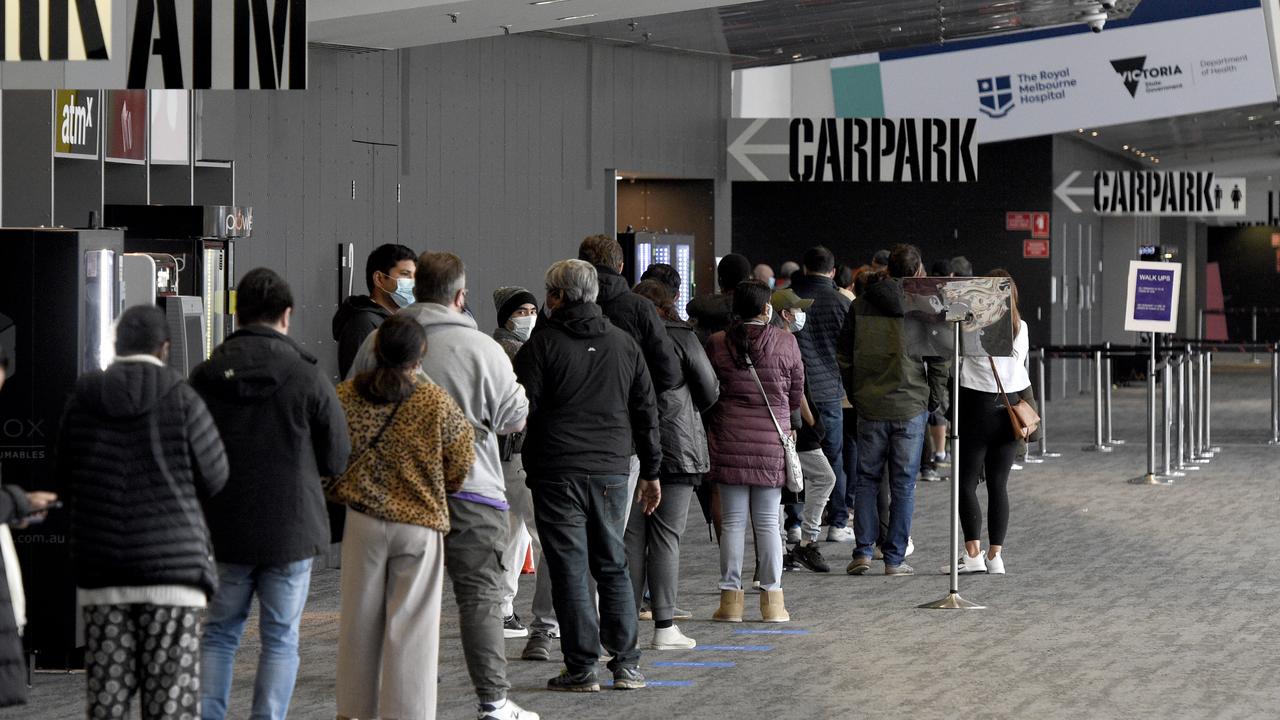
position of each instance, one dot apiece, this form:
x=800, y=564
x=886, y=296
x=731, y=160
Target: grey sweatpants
x=736, y=503
x=653, y=548
x=473, y=558
x=819, y=479
x=389, y=635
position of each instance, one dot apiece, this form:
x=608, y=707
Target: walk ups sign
x=853, y=149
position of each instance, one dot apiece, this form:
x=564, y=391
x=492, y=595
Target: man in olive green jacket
x=893, y=393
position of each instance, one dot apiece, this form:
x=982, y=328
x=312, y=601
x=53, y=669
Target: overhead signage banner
x=853, y=149
x=56, y=30
x=75, y=126
x=1060, y=84
x=1151, y=301
x=1158, y=194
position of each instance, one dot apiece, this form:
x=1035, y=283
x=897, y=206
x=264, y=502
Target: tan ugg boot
x=772, y=609
x=730, y=609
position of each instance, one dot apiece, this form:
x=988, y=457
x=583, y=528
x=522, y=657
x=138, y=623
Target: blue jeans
x=832, y=446
x=897, y=443
x=582, y=520
x=282, y=593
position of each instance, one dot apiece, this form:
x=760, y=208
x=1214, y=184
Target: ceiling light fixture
x=1126, y=147
x=547, y=2
x=1094, y=133
x=576, y=17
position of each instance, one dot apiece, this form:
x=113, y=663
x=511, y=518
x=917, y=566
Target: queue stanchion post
x=1275, y=395
x=953, y=601
x=1098, y=444
x=1182, y=452
x=1166, y=417
x=1106, y=399
x=1042, y=451
x=1254, y=334
x=1202, y=447
x=1151, y=477
x=1208, y=405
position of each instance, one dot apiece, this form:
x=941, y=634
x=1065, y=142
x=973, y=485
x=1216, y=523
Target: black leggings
x=986, y=443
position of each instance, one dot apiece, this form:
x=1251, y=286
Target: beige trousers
x=389, y=637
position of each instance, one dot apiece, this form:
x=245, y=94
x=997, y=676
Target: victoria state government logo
x=1134, y=71
x=995, y=95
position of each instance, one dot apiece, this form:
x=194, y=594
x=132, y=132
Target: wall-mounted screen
x=170, y=143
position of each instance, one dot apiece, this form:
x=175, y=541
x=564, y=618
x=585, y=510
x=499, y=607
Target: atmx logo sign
x=995, y=96
x=1133, y=71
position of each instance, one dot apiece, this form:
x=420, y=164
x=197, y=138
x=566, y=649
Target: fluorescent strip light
x=577, y=17
x=547, y=2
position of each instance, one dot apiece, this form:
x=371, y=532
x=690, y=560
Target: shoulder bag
x=1022, y=417
x=335, y=489
x=795, y=473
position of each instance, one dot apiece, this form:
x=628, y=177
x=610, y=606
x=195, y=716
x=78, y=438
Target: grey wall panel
x=27, y=149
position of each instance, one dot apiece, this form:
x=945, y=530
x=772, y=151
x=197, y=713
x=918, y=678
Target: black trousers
x=987, y=447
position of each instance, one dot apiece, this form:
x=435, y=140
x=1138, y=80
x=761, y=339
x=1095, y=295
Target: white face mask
x=403, y=296
x=768, y=314
x=798, y=324
x=521, y=327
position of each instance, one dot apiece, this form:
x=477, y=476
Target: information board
x=1151, y=299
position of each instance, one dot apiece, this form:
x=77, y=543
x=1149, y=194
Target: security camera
x=453, y=17
x=1096, y=21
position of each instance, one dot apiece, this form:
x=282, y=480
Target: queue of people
x=586, y=423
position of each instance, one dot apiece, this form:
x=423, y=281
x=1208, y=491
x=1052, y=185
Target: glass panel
x=214, y=296
x=100, y=300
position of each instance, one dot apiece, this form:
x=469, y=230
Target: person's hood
x=126, y=389
x=708, y=305
x=357, y=305
x=584, y=320
x=252, y=364
x=612, y=284
x=437, y=315
x=886, y=296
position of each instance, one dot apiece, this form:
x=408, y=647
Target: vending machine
x=60, y=295
x=643, y=249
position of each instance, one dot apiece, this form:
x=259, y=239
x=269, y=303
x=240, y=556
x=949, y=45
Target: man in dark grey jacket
x=284, y=430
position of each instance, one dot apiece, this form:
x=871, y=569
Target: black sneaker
x=513, y=628
x=539, y=647
x=789, y=562
x=929, y=474
x=811, y=557
x=584, y=682
x=628, y=678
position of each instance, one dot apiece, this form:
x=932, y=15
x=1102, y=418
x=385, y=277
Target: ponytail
x=398, y=346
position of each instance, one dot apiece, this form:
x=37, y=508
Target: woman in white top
x=987, y=443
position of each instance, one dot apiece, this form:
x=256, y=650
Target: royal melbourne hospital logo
x=995, y=95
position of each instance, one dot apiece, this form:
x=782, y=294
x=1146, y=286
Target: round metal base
x=952, y=601
x=1215, y=450
x=1097, y=448
x=1115, y=442
x=1030, y=460
x=1047, y=455
x=1273, y=442
x=1151, y=480
x=1186, y=468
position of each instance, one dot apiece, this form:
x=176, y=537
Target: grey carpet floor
x=1120, y=602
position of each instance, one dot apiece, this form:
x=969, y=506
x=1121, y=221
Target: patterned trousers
x=149, y=649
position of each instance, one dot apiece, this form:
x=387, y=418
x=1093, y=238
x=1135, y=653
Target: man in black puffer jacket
x=138, y=454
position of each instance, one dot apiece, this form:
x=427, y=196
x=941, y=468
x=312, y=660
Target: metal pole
x=1042, y=450
x=1181, y=403
x=1275, y=398
x=1166, y=418
x=1194, y=401
x=1255, y=332
x=1107, y=385
x=1098, y=445
x=1208, y=405
x=1202, y=446
x=1151, y=478
x=953, y=601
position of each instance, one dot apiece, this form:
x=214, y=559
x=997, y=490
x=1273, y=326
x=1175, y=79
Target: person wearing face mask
x=388, y=273
x=517, y=315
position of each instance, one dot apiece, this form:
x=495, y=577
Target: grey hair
x=575, y=280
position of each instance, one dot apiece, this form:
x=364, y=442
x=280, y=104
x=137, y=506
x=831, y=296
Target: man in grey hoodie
x=477, y=374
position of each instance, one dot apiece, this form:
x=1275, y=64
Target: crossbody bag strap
x=1003, y=395
x=778, y=426
x=378, y=436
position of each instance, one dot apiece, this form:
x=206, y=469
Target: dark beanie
x=509, y=299
x=733, y=269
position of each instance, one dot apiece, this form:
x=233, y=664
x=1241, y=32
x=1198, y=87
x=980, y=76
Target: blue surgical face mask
x=403, y=296
x=773, y=283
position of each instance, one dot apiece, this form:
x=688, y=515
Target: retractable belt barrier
x=1184, y=367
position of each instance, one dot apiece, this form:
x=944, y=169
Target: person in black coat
x=590, y=402
x=388, y=273
x=16, y=507
x=138, y=454
x=653, y=541
x=284, y=429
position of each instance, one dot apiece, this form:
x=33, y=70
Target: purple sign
x=1153, y=295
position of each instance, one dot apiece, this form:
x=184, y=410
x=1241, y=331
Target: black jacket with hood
x=284, y=430
x=817, y=340
x=13, y=660
x=137, y=456
x=357, y=317
x=590, y=398
x=638, y=318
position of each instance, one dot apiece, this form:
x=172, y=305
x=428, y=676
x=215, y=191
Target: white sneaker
x=968, y=565
x=1015, y=466
x=995, y=565
x=840, y=535
x=793, y=535
x=672, y=639
x=508, y=710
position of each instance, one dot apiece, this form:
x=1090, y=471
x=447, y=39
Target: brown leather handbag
x=1022, y=417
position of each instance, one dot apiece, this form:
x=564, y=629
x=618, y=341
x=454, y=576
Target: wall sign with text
x=853, y=149
x=75, y=123
x=56, y=30
x=1157, y=194
x=1151, y=300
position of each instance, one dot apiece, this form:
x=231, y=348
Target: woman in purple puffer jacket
x=747, y=462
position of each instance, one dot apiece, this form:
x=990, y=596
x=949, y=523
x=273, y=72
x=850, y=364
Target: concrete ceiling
x=410, y=23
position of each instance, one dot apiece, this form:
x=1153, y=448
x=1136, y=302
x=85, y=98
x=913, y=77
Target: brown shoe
x=730, y=609
x=772, y=609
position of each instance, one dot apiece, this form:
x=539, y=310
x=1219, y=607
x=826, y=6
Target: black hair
x=819, y=259
x=940, y=268
x=399, y=345
x=664, y=274
x=844, y=276
x=904, y=261
x=660, y=294
x=748, y=298
x=383, y=259
x=733, y=269
x=142, y=330
x=262, y=297
x=880, y=258
x=961, y=267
